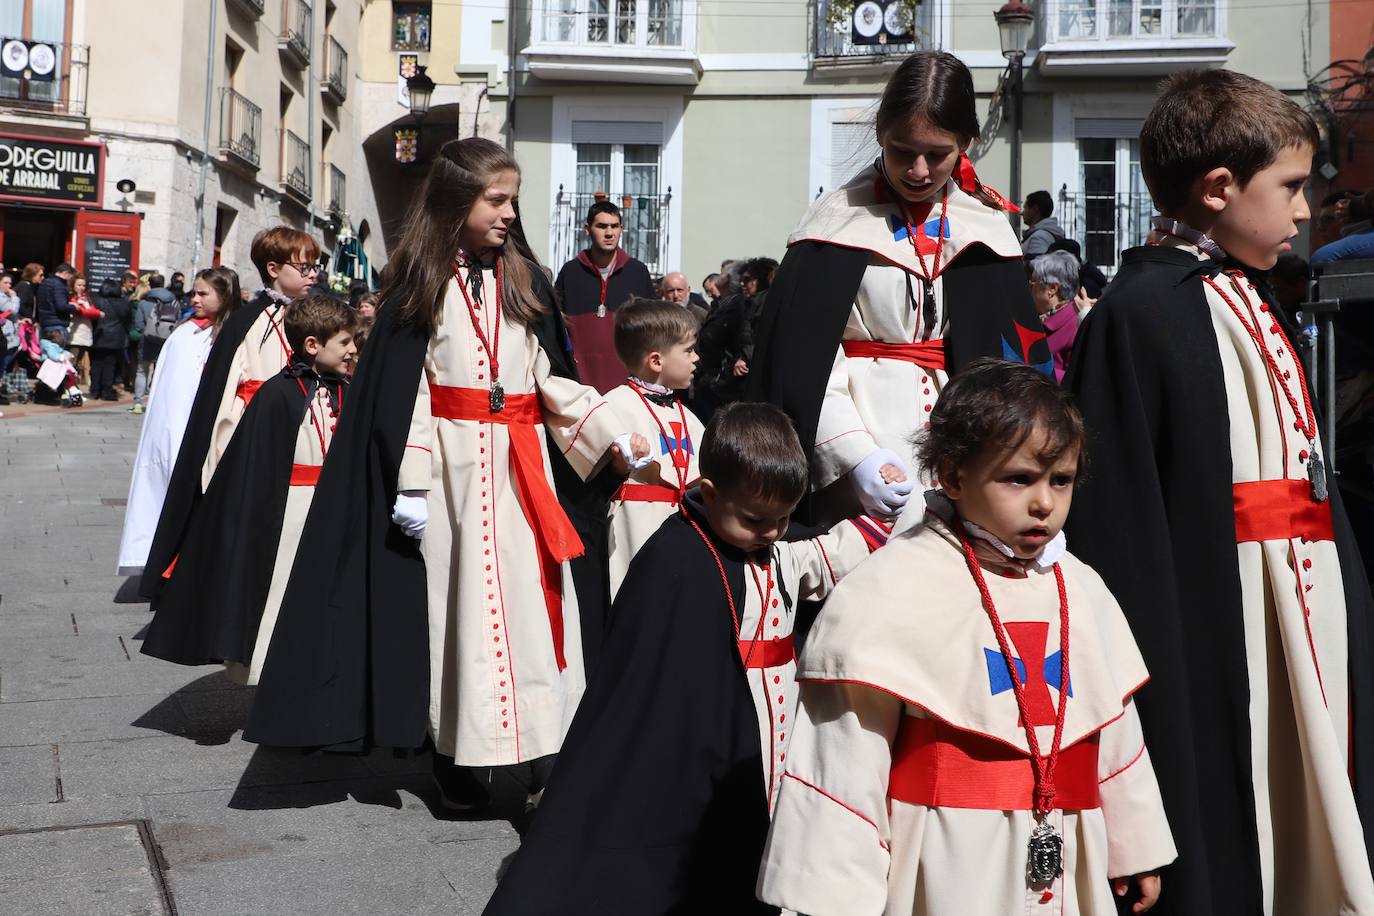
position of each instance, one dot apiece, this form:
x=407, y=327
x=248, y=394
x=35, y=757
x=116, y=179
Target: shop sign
x=46, y=170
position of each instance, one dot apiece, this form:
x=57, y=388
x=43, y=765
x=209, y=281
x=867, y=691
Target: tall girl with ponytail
x=891, y=284
x=431, y=594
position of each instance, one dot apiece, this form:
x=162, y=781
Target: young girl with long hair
x=214, y=297
x=890, y=284
x=437, y=576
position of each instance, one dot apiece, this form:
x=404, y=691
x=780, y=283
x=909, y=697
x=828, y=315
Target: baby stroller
x=19, y=379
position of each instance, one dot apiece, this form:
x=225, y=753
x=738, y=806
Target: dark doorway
x=40, y=236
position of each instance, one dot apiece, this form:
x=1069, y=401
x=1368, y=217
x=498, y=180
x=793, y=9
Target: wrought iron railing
x=336, y=73
x=65, y=93
x=1104, y=224
x=295, y=29
x=338, y=190
x=252, y=8
x=240, y=128
x=645, y=218
x=295, y=166
x=834, y=41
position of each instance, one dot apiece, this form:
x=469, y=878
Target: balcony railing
x=240, y=129
x=1146, y=21
x=294, y=40
x=338, y=191
x=645, y=219
x=1104, y=224
x=250, y=8
x=336, y=73
x=65, y=94
x=295, y=167
x=834, y=41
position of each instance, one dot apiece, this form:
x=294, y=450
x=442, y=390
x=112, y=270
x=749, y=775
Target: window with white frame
x=1131, y=20
x=603, y=23
x=620, y=162
x=1111, y=208
x=853, y=146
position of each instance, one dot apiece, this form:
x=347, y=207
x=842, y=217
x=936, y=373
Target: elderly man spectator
x=1054, y=284
x=53, y=302
x=1043, y=227
x=675, y=288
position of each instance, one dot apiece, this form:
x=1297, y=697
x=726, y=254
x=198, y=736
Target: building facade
x=225, y=116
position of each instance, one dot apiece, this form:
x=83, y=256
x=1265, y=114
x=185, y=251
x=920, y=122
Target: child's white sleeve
x=827, y=851
x=821, y=562
x=842, y=439
x=1138, y=835
x=416, y=472
x=580, y=421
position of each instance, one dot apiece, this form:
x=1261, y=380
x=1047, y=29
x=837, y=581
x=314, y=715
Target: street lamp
x=1015, y=23
x=421, y=89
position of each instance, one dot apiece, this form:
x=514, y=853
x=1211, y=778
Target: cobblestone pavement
x=124, y=785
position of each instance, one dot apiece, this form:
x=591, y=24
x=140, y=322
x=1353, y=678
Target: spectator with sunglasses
x=250, y=348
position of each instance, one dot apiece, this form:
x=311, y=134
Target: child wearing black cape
x=660, y=798
x=226, y=585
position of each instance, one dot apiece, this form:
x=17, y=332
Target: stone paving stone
x=87, y=870
x=70, y=813
x=88, y=719
x=87, y=666
x=29, y=776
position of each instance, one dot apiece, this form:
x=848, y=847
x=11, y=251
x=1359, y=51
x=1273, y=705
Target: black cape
x=210, y=608
x=657, y=803
x=349, y=665
x=1147, y=374
x=183, y=490
x=813, y=293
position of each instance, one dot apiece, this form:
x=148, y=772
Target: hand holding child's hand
x=881, y=493
x=629, y=452
x=892, y=473
x=1148, y=884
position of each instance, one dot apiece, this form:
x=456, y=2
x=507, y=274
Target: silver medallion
x=601, y=310
x=1044, y=855
x=498, y=396
x=1316, y=475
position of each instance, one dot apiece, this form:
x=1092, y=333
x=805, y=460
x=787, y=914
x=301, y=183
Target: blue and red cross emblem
x=679, y=447
x=1034, y=669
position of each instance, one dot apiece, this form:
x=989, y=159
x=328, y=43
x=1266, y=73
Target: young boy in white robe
x=656, y=341
x=948, y=756
x=659, y=801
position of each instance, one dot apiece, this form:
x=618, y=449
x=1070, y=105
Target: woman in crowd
x=1054, y=286
x=108, y=339
x=214, y=297
x=890, y=284
x=82, y=329
x=27, y=288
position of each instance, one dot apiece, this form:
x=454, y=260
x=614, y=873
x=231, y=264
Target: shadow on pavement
x=127, y=592
x=208, y=711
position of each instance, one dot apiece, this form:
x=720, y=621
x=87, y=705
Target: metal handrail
x=336, y=74
x=295, y=34
x=295, y=165
x=64, y=94
x=240, y=127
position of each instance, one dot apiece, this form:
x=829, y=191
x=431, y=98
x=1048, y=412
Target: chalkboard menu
x=104, y=258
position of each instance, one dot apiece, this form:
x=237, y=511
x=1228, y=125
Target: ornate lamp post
x=1015, y=23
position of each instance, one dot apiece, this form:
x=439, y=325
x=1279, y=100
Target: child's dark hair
x=56, y=335
x=602, y=206
x=1207, y=119
x=994, y=403
x=645, y=325
x=316, y=315
x=751, y=450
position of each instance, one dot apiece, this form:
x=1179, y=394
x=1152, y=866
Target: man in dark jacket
x=160, y=312
x=111, y=336
x=1044, y=228
x=53, y=304
x=591, y=287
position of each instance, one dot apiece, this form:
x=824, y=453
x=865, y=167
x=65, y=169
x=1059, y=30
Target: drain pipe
x=510, y=74
x=205, y=140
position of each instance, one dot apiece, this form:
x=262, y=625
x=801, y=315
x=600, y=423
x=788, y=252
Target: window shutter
x=852, y=148
x=617, y=132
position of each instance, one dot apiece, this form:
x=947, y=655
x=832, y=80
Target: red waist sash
x=246, y=389
x=928, y=354
x=305, y=475
x=945, y=767
x=767, y=653
x=647, y=493
x=1280, y=510
x=554, y=535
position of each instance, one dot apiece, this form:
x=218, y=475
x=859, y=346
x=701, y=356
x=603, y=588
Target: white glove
x=877, y=496
x=622, y=442
x=411, y=512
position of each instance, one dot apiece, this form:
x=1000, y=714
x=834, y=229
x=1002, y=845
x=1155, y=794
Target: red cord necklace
x=1045, y=850
x=680, y=472
x=497, y=398
x=1305, y=419
x=928, y=275
x=725, y=582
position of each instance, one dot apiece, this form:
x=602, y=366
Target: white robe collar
x=940, y=506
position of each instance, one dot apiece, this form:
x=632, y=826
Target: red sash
x=945, y=767
x=1280, y=510
x=646, y=493
x=305, y=475
x=768, y=653
x=553, y=533
x=246, y=389
x=928, y=354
